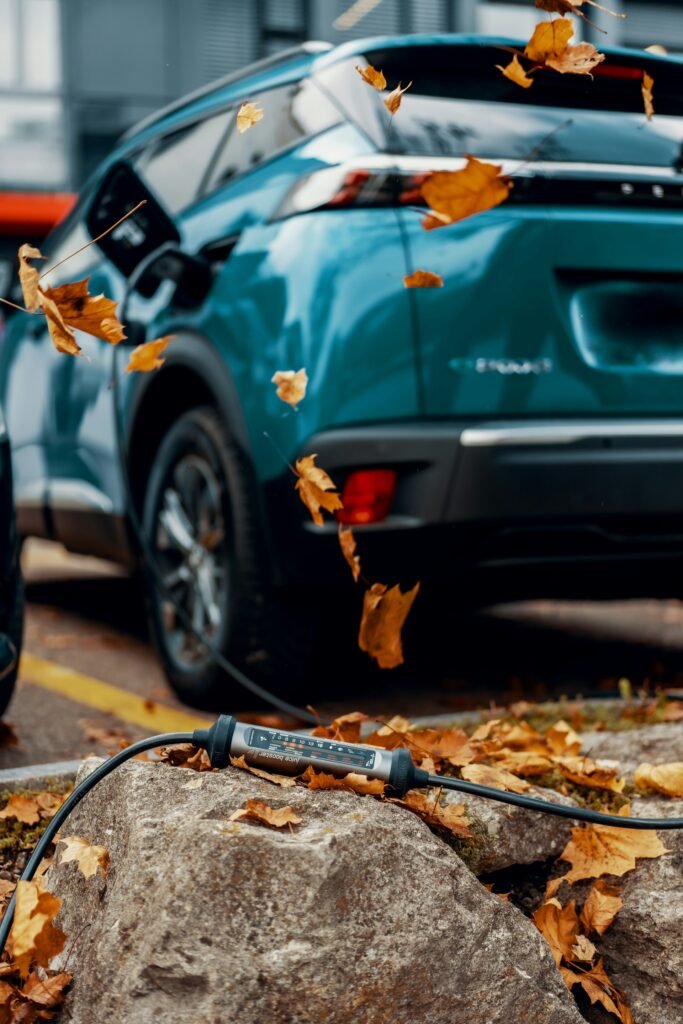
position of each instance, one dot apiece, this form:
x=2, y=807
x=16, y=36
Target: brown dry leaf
x=393, y=100
x=455, y=195
x=559, y=926
x=663, y=778
x=316, y=489
x=6, y=890
x=47, y=992
x=353, y=782
x=63, y=338
x=291, y=385
x=247, y=116
x=583, y=950
x=596, y=850
x=373, y=77
x=24, y=808
x=523, y=762
x=549, y=47
x=498, y=778
x=347, y=543
x=384, y=612
x=346, y=728
x=562, y=739
x=33, y=938
x=29, y=276
x=452, y=817
x=599, y=989
x=280, y=780
x=186, y=755
x=89, y=858
x=516, y=73
x=261, y=812
x=647, y=87
x=391, y=735
x=48, y=803
x=94, y=314
x=585, y=772
x=601, y=907
x=576, y=60
x=573, y=7
x=423, y=279
x=147, y=357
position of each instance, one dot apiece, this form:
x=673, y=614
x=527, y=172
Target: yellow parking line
x=129, y=707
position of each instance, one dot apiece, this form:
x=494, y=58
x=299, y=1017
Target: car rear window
x=460, y=103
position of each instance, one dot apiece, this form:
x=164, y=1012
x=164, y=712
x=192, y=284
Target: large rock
x=359, y=914
x=656, y=744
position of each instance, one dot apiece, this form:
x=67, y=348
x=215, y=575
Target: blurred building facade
x=74, y=74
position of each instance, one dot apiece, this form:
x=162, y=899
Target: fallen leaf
x=347, y=543
x=601, y=907
x=596, y=850
x=423, y=279
x=523, y=762
x=559, y=926
x=273, y=817
x=516, y=73
x=583, y=950
x=291, y=385
x=279, y=780
x=599, y=989
x=345, y=728
x=353, y=782
x=247, y=116
x=47, y=992
x=23, y=808
x=455, y=195
x=94, y=314
x=373, y=77
x=315, y=488
x=663, y=778
x=89, y=858
x=33, y=938
x=147, y=357
x=49, y=803
x=549, y=47
x=6, y=890
x=393, y=100
x=583, y=771
x=647, y=87
x=562, y=739
x=29, y=276
x=449, y=816
x=498, y=778
x=186, y=755
x=384, y=613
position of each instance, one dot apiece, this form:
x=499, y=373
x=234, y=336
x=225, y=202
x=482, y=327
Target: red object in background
x=33, y=213
x=368, y=496
x=618, y=71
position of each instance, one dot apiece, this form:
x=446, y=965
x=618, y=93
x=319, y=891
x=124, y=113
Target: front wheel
x=11, y=636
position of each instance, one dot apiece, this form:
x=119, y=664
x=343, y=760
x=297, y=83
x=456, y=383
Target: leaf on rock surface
x=423, y=279
x=29, y=276
x=347, y=543
x=562, y=739
x=261, y=812
x=648, y=102
x=599, y=989
x=523, y=762
x=497, y=778
x=393, y=100
x=372, y=77
x=455, y=195
x=247, y=116
x=147, y=357
x=353, y=782
x=316, y=489
x=291, y=385
x=384, y=613
x=559, y=926
x=33, y=938
x=583, y=950
x=284, y=781
x=46, y=992
x=89, y=858
x=451, y=817
x=23, y=808
x=516, y=73
x=186, y=755
x=601, y=907
x=346, y=728
x=663, y=778
x=94, y=314
x=595, y=774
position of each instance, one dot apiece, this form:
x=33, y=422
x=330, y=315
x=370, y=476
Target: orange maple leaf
x=601, y=907
x=384, y=612
x=316, y=489
x=33, y=938
x=599, y=989
x=22, y=808
x=285, y=781
x=516, y=73
x=455, y=195
x=549, y=47
x=451, y=817
x=89, y=858
x=261, y=812
x=147, y=357
x=94, y=314
x=347, y=543
x=663, y=778
x=648, y=102
x=247, y=116
x=345, y=728
x=372, y=77
x=497, y=778
x=423, y=279
x=559, y=926
x=393, y=100
x=353, y=782
x=573, y=7
x=291, y=385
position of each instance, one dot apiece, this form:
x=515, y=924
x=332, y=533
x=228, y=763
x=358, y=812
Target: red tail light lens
x=368, y=496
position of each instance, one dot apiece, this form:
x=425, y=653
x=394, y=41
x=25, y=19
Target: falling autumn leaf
x=573, y=7
x=147, y=357
x=22, y=808
x=247, y=116
x=315, y=488
x=63, y=337
x=89, y=858
x=29, y=276
x=347, y=543
x=353, y=782
x=284, y=781
x=273, y=817
x=549, y=47
x=559, y=926
x=384, y=612
x=94, y=314
x=455, y=195
x=663, y=778
x=601, y=907
x=373, y=77
x=393, y=100
x=497, y=778
x=647, y=87
x=291, y=385
x=423, y=279
x=33, y=938
x=516, y=73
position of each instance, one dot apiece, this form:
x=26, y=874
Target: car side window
x=290, y=113
x=174, y=165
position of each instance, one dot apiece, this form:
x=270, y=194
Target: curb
x=35, y=776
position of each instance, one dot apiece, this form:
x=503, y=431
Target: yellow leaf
x=291, y=385
x=33, y=938
x=384, y=612
x=63, y=338
x=576, y=60
x=94, y=314
x=601, y=907
x=449, y=816
x=47, y=992
x=393, y=100
x=663, y=778
x=596, y=850
x=347, y=543
x=89, y=858
x=599, y=989
x=562, y=739
x=247, y=116
x=559, y=926
x=423, y=279
x=315, y=488
x=147, y=357
x=284, y=781
x=29, y=276
x=22, y=808
x=516, y=73
x=373, y=77
x=345, y=728
x=498, y=778
x=455, y=195
x=549, y=47
x=648, y=85
x=353, y=782
x=523, y=762
x=273, y=817
x=585, y=772
x=573, y=7
x=583, y=950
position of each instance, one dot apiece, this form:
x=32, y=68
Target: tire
x=201, y=521
x=12, y=625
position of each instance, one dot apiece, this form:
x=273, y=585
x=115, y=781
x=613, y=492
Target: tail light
x=368, y=495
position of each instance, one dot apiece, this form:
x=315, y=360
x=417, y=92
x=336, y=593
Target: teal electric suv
x=518, y=431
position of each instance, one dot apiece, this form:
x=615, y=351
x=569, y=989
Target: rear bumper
x=509, y=506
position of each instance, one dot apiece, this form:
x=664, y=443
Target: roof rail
x=282, y=57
